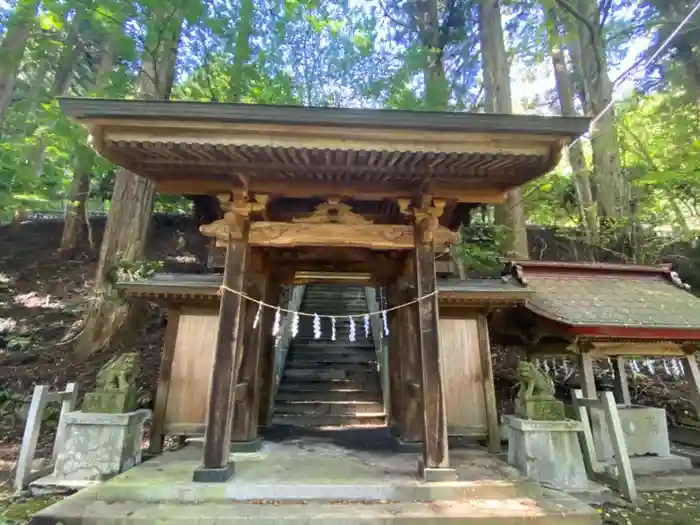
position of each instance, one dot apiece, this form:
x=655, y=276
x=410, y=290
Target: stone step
x=348, y=394
x=322, y=359
x=315, y=367
x=313, y=374
x=336, y=385
x=328, y=420
x=516, y=511
x=360, y=344
x=331, y=349
x=332, y=408
x=333, y=306
x=363, y=382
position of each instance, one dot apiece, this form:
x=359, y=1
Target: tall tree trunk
x=126, y=233
x=613, y=193
x=497, y=99
x=12, y=50
x=76, y=212
x=431, y=37
x=582, y=182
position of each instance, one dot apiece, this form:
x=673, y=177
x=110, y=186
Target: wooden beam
x=227, y=135
x=291, y=235
x=600, y=349
x=435, y=462
x=155, y=445
x=468, y=192
x=215, y=465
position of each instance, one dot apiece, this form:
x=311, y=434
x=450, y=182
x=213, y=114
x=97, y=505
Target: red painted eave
x=635, y=332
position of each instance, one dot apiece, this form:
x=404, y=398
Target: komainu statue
x=536, y=396
x=115, y=391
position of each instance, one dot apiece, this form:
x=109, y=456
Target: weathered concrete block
x=548, y=452
x=645, y=430
x=99, y=446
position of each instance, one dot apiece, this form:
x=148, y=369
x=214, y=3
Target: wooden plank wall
x=188, y=392
x=463, y=377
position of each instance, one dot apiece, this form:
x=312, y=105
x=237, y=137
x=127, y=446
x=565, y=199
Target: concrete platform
x=311, y=480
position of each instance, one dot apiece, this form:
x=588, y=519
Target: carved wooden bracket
x=237, y=208
x=427, y=212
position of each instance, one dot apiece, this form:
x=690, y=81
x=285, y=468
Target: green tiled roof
x=613, y=299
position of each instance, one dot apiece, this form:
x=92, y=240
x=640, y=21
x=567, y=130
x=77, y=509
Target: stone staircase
x=328, y=383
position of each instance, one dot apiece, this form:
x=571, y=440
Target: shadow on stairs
x=326, y=381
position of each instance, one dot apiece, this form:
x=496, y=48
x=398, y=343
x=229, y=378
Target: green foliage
x=125, y=270
x=341, y=53
x=480, y=246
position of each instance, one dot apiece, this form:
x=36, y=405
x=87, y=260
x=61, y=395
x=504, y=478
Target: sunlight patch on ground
x=7, y=324
x=36, y=300
x=184, y=258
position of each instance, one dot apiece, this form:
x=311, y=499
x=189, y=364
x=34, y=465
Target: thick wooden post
x=693, y=375
x=215, y=464
x=155, y=445
x=393, y=362
x=245, y=424
x=267, y=362
x=622, y=388
x=493, y=428
x=435, y=465
x=410, y=373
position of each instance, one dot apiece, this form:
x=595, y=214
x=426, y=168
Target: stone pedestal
x=548, y=452
x=646, y=435
x=99, y=446
x=645, y=429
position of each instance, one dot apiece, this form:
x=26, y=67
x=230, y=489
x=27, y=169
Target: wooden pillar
x=394, y=347
x=492, y=424
x=155, y=445
x=585, y=361
x=435, y=463
x=215, y=464
x=621, y=386
x=410, y=372
x=247, y=400
x=693, y=375
x=267, y=359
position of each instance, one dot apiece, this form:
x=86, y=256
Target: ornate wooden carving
x=333, y=212
x=309, y=234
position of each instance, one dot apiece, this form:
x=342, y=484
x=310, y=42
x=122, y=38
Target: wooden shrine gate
x=375, y=195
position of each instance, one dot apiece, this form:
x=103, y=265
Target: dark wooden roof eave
x=90, y=108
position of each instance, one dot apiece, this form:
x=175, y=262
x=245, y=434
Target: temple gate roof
x=206, y=147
